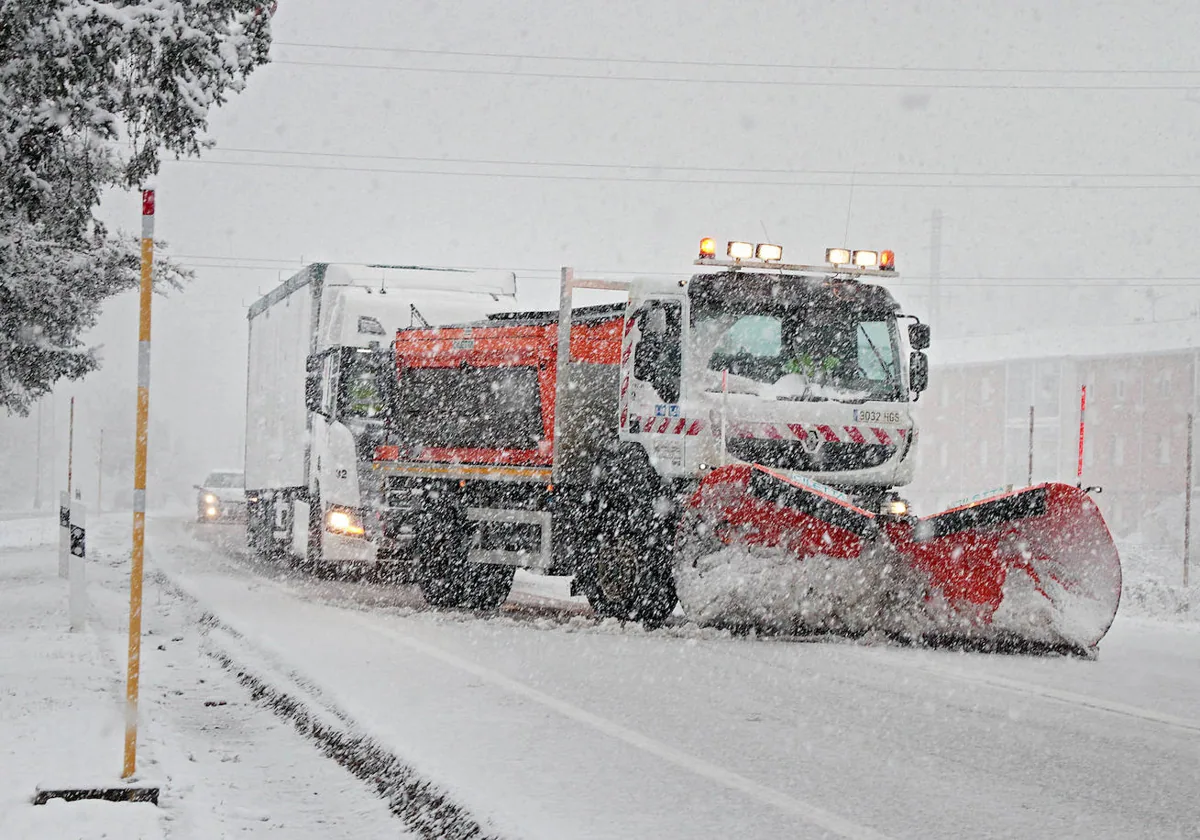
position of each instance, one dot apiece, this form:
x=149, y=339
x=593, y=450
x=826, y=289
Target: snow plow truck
x=733, y=443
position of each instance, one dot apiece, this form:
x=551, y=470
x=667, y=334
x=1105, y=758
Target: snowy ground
x=543, y=723
x=227, y=766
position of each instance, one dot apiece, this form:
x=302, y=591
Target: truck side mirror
x=312, y=383
x=918, y=371
x=918, y=336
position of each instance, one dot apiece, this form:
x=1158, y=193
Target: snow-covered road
x=565, y=728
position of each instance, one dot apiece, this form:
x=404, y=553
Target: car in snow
x=221, y=497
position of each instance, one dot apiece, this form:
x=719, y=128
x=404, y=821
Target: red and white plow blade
x=1033, y=566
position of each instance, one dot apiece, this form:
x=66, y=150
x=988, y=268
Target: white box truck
x=319, y=369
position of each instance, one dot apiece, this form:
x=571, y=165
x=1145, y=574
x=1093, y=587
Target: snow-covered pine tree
x=91, y=94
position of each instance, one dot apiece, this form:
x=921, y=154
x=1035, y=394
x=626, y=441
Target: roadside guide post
x=1187, y=504
x=64, y=502
x=133, y=672
x=1082, y=413
x=78, y=594
x=64, y=533
x=1029, y=479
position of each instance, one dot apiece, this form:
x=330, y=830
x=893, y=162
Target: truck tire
x=447, y=580
x=627, y=574
x=488, y=586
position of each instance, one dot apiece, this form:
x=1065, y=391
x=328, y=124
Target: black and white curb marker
x=78, y=596
x=64, y=532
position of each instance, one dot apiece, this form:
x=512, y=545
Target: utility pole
x=935, y=269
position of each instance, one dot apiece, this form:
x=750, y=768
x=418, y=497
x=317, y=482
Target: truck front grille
x=791, y=454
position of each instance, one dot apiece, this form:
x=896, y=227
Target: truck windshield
x=807, y=353
x=361, y=393
x=469, y=407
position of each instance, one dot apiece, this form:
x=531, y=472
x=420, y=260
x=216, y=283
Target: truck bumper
x=339, y=548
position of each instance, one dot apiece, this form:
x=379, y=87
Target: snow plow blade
x=1036, y=567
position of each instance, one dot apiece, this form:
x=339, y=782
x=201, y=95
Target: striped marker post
x=1082, y=427
x=133, y=674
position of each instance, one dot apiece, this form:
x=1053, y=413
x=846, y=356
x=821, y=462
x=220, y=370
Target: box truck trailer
x=319, y=366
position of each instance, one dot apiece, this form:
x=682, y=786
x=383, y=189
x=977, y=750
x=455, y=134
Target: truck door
x=654, y=381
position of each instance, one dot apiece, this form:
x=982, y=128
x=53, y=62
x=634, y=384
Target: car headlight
x=344, y=522
x=212, y=511
x=210, y=499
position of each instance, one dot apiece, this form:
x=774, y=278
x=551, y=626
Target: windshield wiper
x=885, y=365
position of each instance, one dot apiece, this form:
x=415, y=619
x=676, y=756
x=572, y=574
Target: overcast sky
x=1057, y=140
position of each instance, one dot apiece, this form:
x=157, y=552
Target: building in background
x=1141, y=385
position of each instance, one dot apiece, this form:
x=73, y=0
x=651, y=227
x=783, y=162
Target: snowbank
x=1153, y=586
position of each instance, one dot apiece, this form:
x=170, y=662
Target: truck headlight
x=344, y=522
x=897, y=507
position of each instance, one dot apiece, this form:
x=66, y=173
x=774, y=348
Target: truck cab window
x=751, y=347
x=359, y=391
x=657, y=361
x=328, y=378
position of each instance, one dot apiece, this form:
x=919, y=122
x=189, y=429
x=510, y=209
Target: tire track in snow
x=827, y=820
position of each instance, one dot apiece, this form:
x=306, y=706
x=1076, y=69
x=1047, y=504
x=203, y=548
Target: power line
x=1048, y=282
x=698, y=181
x=532, y=74
x=667, y=62
x=676, y=168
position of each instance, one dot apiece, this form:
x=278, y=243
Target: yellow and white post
x=133, y=673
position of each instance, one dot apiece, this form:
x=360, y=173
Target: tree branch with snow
x=91, y=95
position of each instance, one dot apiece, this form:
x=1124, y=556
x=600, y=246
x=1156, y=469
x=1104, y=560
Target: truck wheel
x=441, y=585
x=446, y=578
x=632, y=579
x=629, y=574
x=625, y=572
x=487, y=587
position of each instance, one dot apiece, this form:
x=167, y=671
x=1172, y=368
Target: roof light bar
x=740, y=250
x=768, y=253
x=837, y=256
x=769, y=256
x=866, y=259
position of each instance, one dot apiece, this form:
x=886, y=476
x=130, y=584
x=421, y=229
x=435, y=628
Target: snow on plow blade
x=1036, y=564
x=757, y=548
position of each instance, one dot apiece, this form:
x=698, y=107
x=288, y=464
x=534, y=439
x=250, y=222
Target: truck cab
x=799, y=368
